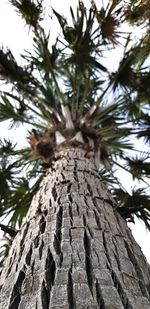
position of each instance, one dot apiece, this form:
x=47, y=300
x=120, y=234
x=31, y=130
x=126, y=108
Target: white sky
x=15, y=35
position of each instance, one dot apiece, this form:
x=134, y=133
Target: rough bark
x=74, y=251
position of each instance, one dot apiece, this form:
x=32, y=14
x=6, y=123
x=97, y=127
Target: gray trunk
x=74, y=251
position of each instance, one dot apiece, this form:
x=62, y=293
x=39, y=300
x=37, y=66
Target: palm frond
x=16, y=115
x=109, y=22
x=30, y=11
x=12, y=72
x=137, y=12
x=137, y=203
x=139, y=166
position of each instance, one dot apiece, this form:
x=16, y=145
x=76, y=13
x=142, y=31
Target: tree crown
x=70, y=86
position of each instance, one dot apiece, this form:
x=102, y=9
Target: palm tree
x=68, y=241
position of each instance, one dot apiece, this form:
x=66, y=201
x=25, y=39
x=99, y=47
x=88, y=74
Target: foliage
x=73, y=72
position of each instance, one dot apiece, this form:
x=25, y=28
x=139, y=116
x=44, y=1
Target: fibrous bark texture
x=74, y=251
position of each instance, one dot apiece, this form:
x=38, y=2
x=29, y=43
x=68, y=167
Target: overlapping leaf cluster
x=73, y=71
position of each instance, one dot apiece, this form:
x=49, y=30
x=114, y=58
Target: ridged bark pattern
x=74, y=251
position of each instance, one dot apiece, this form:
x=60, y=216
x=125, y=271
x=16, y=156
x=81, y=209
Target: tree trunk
x=74, y=251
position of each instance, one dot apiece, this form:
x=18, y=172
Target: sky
x=15, y=35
